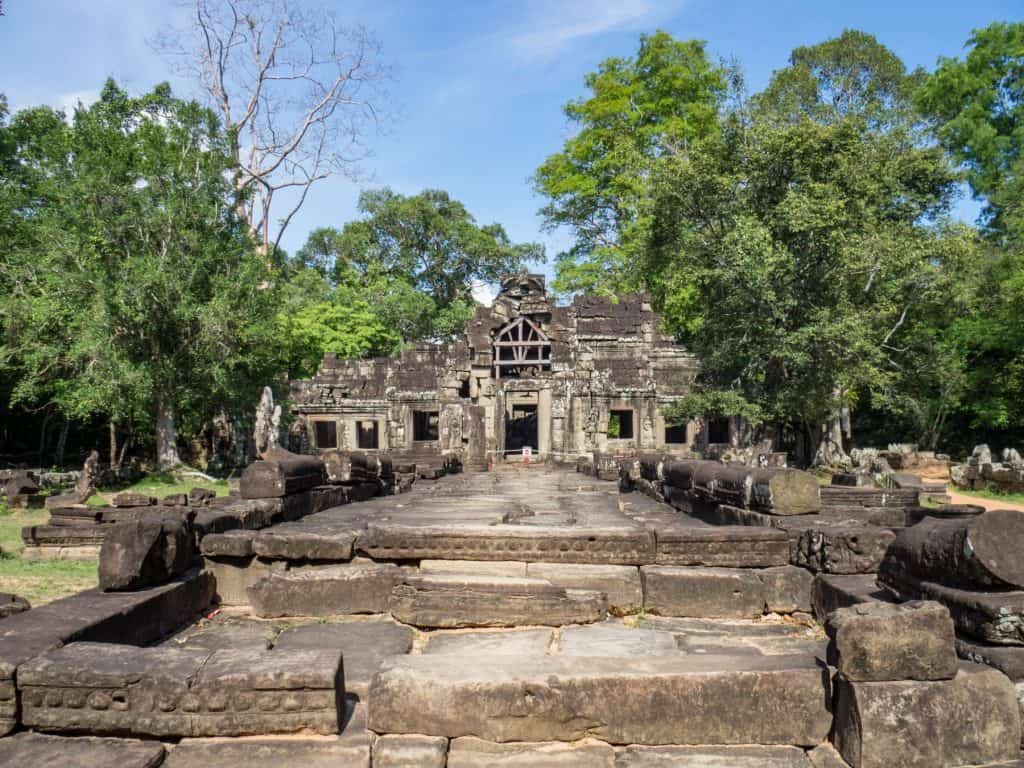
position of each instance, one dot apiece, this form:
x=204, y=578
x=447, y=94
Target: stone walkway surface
x=523, y=618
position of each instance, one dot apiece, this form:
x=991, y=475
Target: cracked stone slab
x=452, y=600
x=513, y=642
x=703, y=592
x=711, y=757
x=329, y=591
x=610, y=639
x=470, y=752
x=628, y=700
x=621, y=583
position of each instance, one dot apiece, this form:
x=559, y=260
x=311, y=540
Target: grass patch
x=160, y=484
x=988, y=493
x=40, y=581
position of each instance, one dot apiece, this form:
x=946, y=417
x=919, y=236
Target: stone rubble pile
x=981, y=471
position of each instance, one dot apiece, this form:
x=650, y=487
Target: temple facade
x=560, y=381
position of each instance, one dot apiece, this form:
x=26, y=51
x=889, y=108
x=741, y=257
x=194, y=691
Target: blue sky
x=478, y=86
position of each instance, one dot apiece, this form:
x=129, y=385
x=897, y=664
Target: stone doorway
x=521, y=427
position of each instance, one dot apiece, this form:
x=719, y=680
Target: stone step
x=37, y=749
x=326, y=591
x=732, y=546
x=623, y=545
x=711, y=757
x=705, y=700
x=102, y=689
x=456, y=600
x=470, y=752
x=738, y=593
x=831, y=592
x=267, y=753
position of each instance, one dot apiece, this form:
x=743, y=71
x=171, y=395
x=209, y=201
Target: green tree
x=978, y=106
x=802, y=252
x=415, y=260
x=639, y=108
x=140, y=291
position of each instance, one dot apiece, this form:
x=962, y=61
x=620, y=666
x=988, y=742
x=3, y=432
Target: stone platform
x=532, y=617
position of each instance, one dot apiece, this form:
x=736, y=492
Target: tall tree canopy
x=416, y=259
x=137, y=290
x=978, y=105
x=800, y=248
x=662, y=99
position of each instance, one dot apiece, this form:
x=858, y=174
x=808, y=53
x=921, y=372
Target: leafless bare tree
x=299, y=93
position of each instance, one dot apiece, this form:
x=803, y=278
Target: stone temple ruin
x=640, y=609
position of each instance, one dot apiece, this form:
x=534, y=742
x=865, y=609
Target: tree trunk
x=42, y=438
x=62, y=441
x=166, y=445
x=113, y=444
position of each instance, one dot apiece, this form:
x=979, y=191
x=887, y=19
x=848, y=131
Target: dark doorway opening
x=718, y=430
x=424, y=426
x=675, y=434
x=367, y=435
x=620, y=425
x=325, y=433
x=521, y=427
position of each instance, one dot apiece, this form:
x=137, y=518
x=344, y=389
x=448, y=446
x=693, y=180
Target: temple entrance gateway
x=521, y=422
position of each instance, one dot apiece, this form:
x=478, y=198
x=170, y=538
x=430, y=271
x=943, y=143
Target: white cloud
x=482, y=293
x=70, y=100
x=554, y=27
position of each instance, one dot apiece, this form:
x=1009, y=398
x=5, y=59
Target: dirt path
x=961, y=498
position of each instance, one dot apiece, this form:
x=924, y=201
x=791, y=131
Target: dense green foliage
x=415, y=260
x=801, y=242
x=663, y=99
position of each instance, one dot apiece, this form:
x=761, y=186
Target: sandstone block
x=453, y=600
x=710, y=757
x=518, y=642
x=1008, y=659
x=267, y=753
x=144, y=553
x=785, y=491
x=843, y=548
x=787, y=589
x=877, y=642
x=37, y=749
x=234, y=575
x=830, y=592
x=410, y=751
x=639, y=700
x=609, y=639
x=733, y=546
x=703, y=592
x=509, y=569
x=969, y=720
x=558, y=544
x=133, y=500
x=12, y=604
x=175, y=692
x=825, y=756
x=364, y=644
x=470, y=752
x=329, y=591
x=289, y=541
x=236, y=543
x=281, y=473
x=621, y=583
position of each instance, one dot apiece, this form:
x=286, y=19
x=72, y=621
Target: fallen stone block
x=620, y=583
x=992, y=617
x=364, y=644
x=37, y=749
x=175, y=692
x=970, y=720
x=608, y=639
x=878, y=642
x=281, y=473
x=628, y=700
x=453, y=600
x=973, y=552
x=328, y=591
x=129, y=499
x=198, y=497
x=843, y=548
x=787, y=589
x=825, y=756
x=513, y=642
x=830, y=592
x=710, y=757
x=470, y=752
x=235, y=543
x=785, y=491
x=555, y=544
x=410, y=751
x=12, y=604
x=144, y=553
x=291, y=541
x=702, y=592
x=1008, y=659
x=722, y=546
